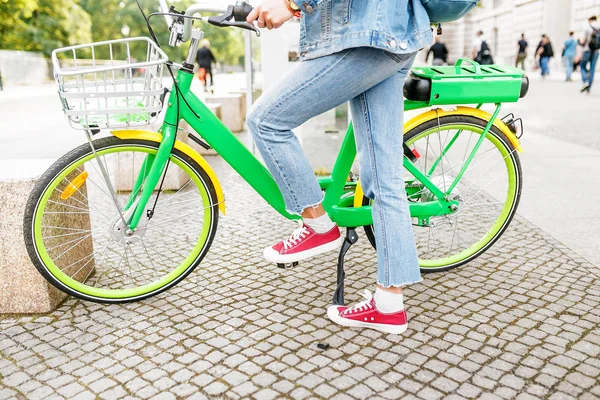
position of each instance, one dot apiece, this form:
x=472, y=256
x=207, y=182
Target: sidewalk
x=522, y=321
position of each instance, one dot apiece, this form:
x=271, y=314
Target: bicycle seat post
x=351, y=238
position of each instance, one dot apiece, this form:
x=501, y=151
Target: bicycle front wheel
x=74, y=229
x=488, y=193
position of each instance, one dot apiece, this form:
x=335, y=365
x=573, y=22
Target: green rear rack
x=467, y=82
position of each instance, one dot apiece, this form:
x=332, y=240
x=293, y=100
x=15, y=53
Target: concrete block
x=244, y=105
x=22, y=288
x=126, y=169
x=232, y=113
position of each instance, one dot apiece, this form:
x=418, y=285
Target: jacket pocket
x=347, y=11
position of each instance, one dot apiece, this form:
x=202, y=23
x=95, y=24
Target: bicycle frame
x=339, y=194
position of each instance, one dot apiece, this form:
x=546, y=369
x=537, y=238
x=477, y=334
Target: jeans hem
x=400, y=284
x=304, y=208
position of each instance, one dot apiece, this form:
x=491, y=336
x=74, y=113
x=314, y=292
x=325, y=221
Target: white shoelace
x=365, y=305
x=297, y=235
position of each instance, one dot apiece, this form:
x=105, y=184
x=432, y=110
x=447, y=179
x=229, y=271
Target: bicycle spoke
x=86, y=239
x=482, y=194
x=86, y=203
x=175, y=195
x=176, y=218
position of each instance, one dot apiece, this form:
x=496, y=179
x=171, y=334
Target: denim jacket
x=329, y=26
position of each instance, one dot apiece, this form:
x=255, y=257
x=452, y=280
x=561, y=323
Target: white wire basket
x=103, y=86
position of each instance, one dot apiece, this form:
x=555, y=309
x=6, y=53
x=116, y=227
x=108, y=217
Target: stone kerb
x=232, y=110
x=126, y=170
x=22, y=288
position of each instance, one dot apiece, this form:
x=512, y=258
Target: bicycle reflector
x=74, y=185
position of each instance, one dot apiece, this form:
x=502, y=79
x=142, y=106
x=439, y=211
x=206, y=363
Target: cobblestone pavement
x=520, y=322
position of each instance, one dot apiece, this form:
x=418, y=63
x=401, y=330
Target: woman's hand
x=270, y=14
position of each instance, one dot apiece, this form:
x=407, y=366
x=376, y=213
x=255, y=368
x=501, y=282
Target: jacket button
x=309, y=9
x=392, y=44
x=403, y=45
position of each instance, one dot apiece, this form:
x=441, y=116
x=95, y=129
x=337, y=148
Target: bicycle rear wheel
x=488, y=193
x=74, y=231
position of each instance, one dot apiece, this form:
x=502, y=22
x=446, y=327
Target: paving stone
x=581, y=380
x=444, y=384
x=429, y=393
x=70, y=390
x=468, y=390
x=101, y=385
x=87, y=395
x=300, y=393
x=343, y=382
x=284, y=386
x=235, y=378
x=264, y=379
x=183, y=390
x=266, y=394
x=7, y=393
x=360, y=391
x=215, y=388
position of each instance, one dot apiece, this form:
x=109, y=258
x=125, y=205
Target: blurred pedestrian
x=481, y=50
x=591, y=44
x=521, y=52
x=569, y=52
x=545, y=52
x=578, y=56
x=205, y=59
x=440, y=52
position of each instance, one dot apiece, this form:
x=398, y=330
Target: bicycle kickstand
x=351, y=238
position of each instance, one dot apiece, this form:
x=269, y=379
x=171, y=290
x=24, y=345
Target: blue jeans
x=569, y=61
x=544, y=65
x=588, y=75
x=372, y=80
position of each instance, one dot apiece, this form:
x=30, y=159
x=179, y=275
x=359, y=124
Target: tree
x=43, y=25
x=109, y=18
x=12, y=20
x=56, y=24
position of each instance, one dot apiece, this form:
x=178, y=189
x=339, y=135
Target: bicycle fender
x=433, y=114
x=358, y=195
x=473, y=112
x=184, y=148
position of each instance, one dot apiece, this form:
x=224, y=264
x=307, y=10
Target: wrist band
x=295, y=13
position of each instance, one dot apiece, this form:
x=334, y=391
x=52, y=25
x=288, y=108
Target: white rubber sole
x=334, y=315
x=273, y=256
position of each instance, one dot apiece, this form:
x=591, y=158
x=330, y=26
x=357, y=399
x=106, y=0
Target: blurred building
x=503, y=21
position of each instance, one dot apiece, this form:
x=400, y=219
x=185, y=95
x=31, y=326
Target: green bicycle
x=129, y=216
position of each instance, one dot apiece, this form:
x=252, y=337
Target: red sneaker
x=303, y=243
x=365, y=315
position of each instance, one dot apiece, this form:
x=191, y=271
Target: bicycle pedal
x=287, y=266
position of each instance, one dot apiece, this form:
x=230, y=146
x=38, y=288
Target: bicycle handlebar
x=194, y=9
x=238, y=13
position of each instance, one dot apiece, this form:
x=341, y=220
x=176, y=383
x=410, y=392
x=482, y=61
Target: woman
x=357, y=51
x=569, y=52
